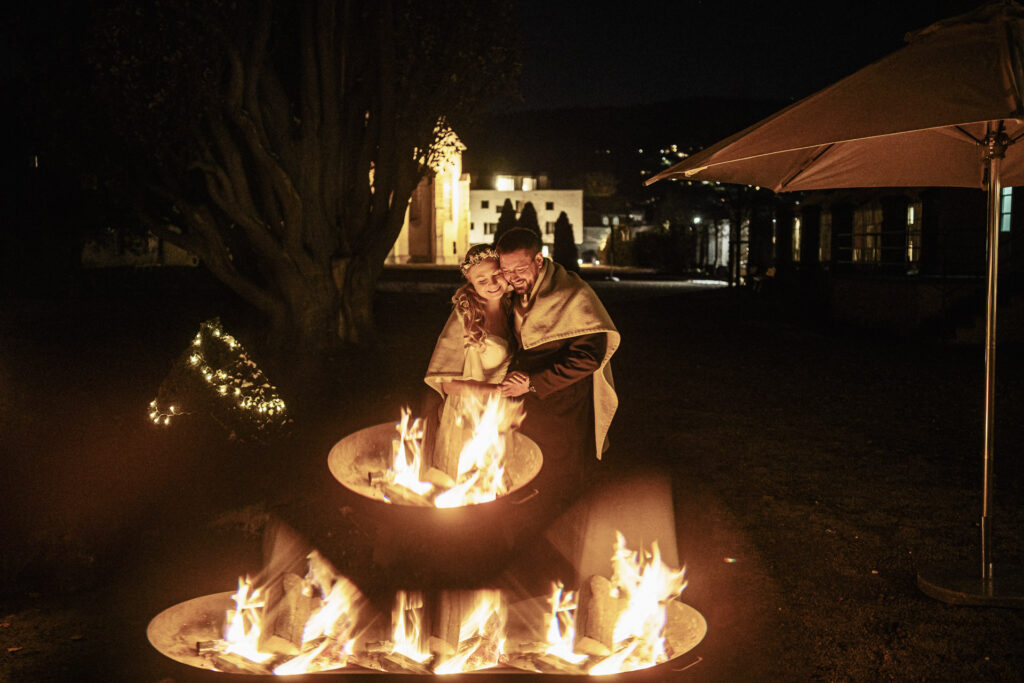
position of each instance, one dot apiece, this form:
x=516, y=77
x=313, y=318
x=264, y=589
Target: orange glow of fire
x=481, y=635
x=561, y=626
x=408, y=633
x=647, y=585
x=327, y=636
x=481, y=467
x=244, y=623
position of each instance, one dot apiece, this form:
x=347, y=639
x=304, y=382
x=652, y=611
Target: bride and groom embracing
x=525, y=327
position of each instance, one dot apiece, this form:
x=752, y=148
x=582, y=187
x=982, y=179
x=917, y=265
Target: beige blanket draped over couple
x=565, y=341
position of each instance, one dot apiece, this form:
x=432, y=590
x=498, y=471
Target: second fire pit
x=459, y=546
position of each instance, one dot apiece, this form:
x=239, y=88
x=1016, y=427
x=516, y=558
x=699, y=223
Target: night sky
x=643, y=51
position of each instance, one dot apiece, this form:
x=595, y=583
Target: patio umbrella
x=944, y=110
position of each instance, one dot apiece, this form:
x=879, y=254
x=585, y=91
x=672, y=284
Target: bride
x=474, y=349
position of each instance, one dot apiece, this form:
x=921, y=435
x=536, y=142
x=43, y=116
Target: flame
x=481, y=635
x=561, y=628
x=481, y=462
x=408, y=458
x=646, y=585
x=327, y=639
x=245, y=623
x=407, y=625
x=482, y=459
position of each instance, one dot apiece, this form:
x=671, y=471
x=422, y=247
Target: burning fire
x=295, y=625
x=477, y=472
x=617, y=625
x=464, y=631
x=480, y=642
x=309, y=627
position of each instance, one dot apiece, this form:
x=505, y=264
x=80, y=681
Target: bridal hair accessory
x=475, y=256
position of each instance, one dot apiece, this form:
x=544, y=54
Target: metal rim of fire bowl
x=369, y=451
x=175, y=631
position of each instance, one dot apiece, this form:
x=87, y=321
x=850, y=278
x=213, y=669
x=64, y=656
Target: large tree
x=281, y=141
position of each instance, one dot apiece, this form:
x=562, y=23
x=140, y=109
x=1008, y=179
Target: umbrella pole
x=994, y=153
x=994, y=585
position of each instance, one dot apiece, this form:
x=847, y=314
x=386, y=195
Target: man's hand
x=515, y=384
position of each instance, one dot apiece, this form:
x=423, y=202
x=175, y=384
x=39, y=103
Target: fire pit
x=181, y=632
x=422, y=537
x=359, y=459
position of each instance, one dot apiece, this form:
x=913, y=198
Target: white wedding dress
x=488, y=363
x=484, y=363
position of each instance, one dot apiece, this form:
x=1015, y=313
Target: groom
x=561, y=370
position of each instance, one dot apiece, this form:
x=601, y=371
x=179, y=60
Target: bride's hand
x=515, y=384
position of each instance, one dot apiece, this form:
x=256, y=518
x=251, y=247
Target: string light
x=217, y=370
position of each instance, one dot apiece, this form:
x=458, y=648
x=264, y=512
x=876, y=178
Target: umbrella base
x=964, y=585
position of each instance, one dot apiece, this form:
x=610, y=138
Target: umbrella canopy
x=915, y=118
x=945, y=110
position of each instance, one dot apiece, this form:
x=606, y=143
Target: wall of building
x=569, y=201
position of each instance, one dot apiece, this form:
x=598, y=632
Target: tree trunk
x=355, y=284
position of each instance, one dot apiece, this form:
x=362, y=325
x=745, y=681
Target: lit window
x=796, y=240
x=914, y=233
x=529, y=184
x=825, y=237
x=867, y=234
x=1005, y=208
x=505, y=183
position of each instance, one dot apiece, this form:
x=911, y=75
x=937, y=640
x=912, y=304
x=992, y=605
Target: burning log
x=400, y=494
x=438, y=478
x=447, y=623
x=597, y=614
x=553, y=664
x=396, y=662
x=291, y=609
x=232, y=663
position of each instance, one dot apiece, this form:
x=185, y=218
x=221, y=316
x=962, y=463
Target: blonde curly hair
x=468, y=303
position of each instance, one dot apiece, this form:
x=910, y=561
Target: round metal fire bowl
x=176, y=630
x=369, y=452
x=421, y=546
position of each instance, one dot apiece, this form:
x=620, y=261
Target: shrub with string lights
x=215, y=376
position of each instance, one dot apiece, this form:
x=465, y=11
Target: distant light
x=731, y=560
x=544, y=250
x=579, y=262
x=696, y=220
